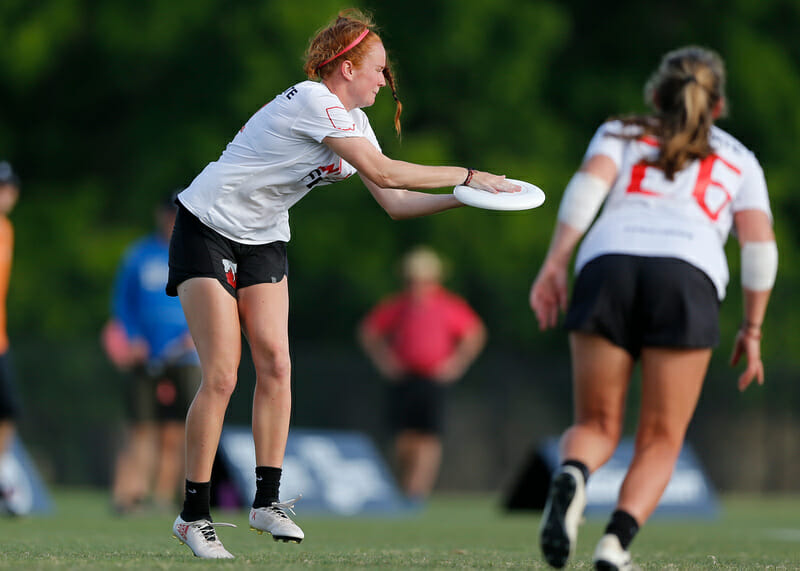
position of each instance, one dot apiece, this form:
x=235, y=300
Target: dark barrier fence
x=73, y=414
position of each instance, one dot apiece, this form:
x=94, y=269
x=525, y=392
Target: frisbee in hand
x=531, y=196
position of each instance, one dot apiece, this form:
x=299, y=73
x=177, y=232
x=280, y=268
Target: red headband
x=352, y=44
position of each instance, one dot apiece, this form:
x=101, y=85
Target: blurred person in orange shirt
x=422, y=340
x=9, y=399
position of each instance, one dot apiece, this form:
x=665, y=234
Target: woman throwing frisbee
x=651, y=273
x=228, y=261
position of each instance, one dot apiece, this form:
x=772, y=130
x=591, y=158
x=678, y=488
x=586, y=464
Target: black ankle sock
x=197, y=501
x=624, y=526
x=580, y=466
x=268, y=481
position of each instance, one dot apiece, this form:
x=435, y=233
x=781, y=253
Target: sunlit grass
x=462, y=532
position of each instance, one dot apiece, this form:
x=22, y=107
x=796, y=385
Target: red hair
x=340, y=39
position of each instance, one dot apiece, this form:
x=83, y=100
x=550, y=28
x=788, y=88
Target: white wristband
x=582, y=200
x=759, y=265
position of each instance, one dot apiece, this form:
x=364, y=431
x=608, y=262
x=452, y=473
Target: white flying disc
x=530, y=196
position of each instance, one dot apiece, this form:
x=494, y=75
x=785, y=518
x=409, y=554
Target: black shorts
x=417, y=403
x=161, y=395
x=9, y=399
x=638, y=301
x=196, y=250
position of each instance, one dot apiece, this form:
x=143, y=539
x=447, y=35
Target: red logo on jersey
x=318, y=174
x=711, y=195
x=340, y=118
x=230, y=272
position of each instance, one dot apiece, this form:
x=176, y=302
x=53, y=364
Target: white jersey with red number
x=275, y=160
x=687, y=218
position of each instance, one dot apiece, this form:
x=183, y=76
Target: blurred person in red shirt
x=422, y=340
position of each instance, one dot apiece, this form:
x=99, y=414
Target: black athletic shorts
x=639, y=301
x=417, y=403
x=9, y=399
x=163, y=394
x=196, y=250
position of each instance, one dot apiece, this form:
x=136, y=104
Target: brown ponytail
x=684, y=92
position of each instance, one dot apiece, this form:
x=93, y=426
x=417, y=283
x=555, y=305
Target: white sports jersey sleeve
x=604, y=143
x=324, y=116
x=753, y=194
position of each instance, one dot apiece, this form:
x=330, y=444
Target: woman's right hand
x=549, y=294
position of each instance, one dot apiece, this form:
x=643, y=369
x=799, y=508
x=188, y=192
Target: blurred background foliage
x=107, y=106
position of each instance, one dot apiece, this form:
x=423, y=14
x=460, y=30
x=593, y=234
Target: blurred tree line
x=107, y=106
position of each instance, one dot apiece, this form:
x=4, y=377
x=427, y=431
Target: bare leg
x=419, y=456
x=213, y=319
x=134, y=466
x=170, y=462
x=264, y=311
x=6, y=435
x=7, y=431
x=601, y=376
x=671, y=383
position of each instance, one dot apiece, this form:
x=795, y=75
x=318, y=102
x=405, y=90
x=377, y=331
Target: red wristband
x=467, y=180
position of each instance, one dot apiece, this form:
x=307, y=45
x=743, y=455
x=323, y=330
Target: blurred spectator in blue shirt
x=147, y=338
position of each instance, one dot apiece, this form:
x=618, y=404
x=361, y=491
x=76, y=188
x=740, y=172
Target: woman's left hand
x=493, y=183
x=748, y=343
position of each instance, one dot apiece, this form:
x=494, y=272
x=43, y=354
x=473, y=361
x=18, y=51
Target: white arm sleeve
x=582, y=200
x=759, y=265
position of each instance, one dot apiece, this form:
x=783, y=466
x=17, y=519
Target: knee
x=219, y=384
x=658, y=433
x=273, y=364
x=607, y=426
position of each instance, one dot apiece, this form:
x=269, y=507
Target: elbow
x=396, y=215
x=384, y=180
x=391, y=203
x=381, y=174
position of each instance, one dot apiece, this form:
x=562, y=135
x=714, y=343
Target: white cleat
x=201, y=538
x=274, y=521
x=609, y=555
x=558, y=532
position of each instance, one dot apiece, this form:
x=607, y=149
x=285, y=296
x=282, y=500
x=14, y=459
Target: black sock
x=268, y=481
x=580, y=466
x=197, y=501
x=624, y=526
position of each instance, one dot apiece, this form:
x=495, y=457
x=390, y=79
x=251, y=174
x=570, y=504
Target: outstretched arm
x=389, y=173
x=401, y=204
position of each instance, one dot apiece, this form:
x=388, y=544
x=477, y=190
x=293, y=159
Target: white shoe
x=274, y=520
x=201, y=538
x=609, y=555
x=558, y=532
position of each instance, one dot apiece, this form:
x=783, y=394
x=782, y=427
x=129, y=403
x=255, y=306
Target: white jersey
x=274, y=161
x=689, y=217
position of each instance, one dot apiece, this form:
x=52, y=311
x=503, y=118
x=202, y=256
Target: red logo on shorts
x=230, y=272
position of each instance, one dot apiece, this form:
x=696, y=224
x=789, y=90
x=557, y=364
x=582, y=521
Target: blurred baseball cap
x=7, y=174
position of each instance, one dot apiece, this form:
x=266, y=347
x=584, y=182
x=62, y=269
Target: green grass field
x=460, y=532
